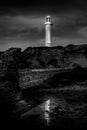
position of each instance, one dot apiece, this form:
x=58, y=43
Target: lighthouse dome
x=48, y=18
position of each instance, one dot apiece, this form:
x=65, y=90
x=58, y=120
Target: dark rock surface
x=13, y=59
x=44, y=57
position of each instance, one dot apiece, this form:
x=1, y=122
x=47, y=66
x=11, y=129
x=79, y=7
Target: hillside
x=43, y=57
x=12, y=99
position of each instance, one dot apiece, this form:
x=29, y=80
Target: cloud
x=83, y=32
x=28, y=29
x=68, y=23
x=65, y=41
x=32, y=26
x=21, y=26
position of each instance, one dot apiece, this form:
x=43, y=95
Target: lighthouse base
x=48, y=44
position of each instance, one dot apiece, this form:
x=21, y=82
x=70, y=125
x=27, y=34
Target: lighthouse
x=48, y=25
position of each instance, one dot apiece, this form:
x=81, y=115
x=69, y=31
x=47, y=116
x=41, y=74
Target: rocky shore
x=13, y=60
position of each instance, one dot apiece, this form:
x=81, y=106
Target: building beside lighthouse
x=48, y=25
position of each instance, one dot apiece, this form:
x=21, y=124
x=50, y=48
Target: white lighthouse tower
x=48, y=25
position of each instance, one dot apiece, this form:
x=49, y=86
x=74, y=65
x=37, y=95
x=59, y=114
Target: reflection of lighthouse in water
x=48, y=25
x=47, y=111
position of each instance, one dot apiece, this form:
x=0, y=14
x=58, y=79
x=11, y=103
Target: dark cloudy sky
x=22, y=23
